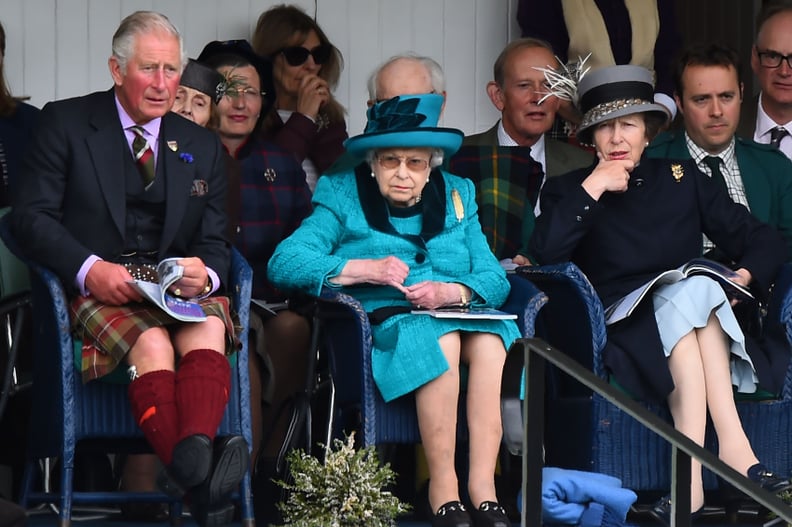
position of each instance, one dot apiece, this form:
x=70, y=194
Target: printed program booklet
x=169, y=272
x=625, y=306
x=466, y=312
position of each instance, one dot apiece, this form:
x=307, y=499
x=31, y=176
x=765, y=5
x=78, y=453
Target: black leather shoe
x=211, y=505
x=451, y=514
x=191, y=461
x=490, y=514
x=769, y=481
x=661, y=511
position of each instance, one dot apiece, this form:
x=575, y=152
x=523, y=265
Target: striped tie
x=144, y=156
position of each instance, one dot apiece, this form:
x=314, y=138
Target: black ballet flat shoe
x=769, y=481
x=490, y=514
x=451, y=514
x=211, y=503
x=189, y=467
x=661, y=511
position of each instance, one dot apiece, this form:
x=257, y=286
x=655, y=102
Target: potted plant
x=348, y=489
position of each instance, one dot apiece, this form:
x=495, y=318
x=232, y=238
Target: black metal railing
x=536, y=353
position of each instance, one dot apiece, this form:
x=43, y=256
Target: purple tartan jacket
x=274, y=199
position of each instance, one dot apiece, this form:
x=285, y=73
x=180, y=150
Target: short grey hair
x=136, y=24
x=437, y=78
x=436, y=156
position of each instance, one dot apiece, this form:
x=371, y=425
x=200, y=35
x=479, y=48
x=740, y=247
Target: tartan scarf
x=507, y=181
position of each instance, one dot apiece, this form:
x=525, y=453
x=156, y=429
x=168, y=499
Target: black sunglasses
x=297, y=55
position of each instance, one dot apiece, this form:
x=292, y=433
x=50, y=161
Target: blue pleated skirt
x=685, y=305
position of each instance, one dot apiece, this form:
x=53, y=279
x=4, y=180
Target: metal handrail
x=536, y=353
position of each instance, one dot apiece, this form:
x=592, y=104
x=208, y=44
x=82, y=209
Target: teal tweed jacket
x=437, y=239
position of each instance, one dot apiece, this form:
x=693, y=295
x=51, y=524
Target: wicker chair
x=347, y=343
x=584, y=431
x=65, y=411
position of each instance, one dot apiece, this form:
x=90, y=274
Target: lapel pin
x=173, y=145
x=459, y=208
x=677, y=171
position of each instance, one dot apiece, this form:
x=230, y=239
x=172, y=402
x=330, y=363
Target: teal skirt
x=406, y=353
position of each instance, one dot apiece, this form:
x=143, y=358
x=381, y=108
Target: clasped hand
x=392, y=271
x=427, y=294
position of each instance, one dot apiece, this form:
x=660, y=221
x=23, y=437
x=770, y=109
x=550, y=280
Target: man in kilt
x=112, y=184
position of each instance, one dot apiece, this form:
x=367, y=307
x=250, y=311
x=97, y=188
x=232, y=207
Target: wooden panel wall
x=59, y=48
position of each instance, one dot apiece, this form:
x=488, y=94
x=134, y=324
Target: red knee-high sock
x=153, y=400
x=203, y=379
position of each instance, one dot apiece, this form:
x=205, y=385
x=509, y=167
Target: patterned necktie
x=144, y=156
x=777, y=134
x=713, y=162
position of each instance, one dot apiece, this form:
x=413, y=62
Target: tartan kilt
x=109, y=332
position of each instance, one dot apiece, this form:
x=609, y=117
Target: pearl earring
x=372, y=174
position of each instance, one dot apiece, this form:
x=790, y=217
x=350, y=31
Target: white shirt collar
x=537, y=150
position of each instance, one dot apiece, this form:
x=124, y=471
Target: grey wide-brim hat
x=612, y=92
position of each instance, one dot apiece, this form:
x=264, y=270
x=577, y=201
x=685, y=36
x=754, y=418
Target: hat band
x=615, y=91
x=597, y=113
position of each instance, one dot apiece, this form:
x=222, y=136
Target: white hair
x=136, y=24
x=436, y=76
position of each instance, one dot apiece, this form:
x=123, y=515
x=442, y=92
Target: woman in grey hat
x=200, y=89
x=626, y=219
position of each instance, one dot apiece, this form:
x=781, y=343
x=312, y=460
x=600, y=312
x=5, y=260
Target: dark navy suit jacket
x=70, y=200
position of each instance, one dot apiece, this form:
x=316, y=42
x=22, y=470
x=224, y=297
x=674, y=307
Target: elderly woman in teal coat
x=399, y=234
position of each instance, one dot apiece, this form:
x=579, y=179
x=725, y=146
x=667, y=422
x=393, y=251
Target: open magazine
x=169, y=272
x=465, y=312
x=624, y=307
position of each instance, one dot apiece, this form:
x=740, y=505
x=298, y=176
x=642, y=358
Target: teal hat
x=406, y=121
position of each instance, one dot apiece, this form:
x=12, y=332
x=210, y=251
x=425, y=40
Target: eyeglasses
x=297, y=55
x=772, y=59
x=414, y=164
x=250, y=94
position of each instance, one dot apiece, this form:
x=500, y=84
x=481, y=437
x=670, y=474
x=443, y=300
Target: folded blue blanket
x=588, y=499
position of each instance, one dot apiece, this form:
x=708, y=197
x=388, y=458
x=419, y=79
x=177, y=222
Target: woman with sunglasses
x=308, y=121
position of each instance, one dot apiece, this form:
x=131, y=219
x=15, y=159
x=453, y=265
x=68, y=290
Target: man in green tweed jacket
x=708, y=95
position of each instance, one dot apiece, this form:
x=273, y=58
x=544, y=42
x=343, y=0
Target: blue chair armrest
x=240, y=289
x=524, y=300
x=780, y=308
x=564, y=283
x=348, y=345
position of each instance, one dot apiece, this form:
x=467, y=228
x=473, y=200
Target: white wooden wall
x=59, y=48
